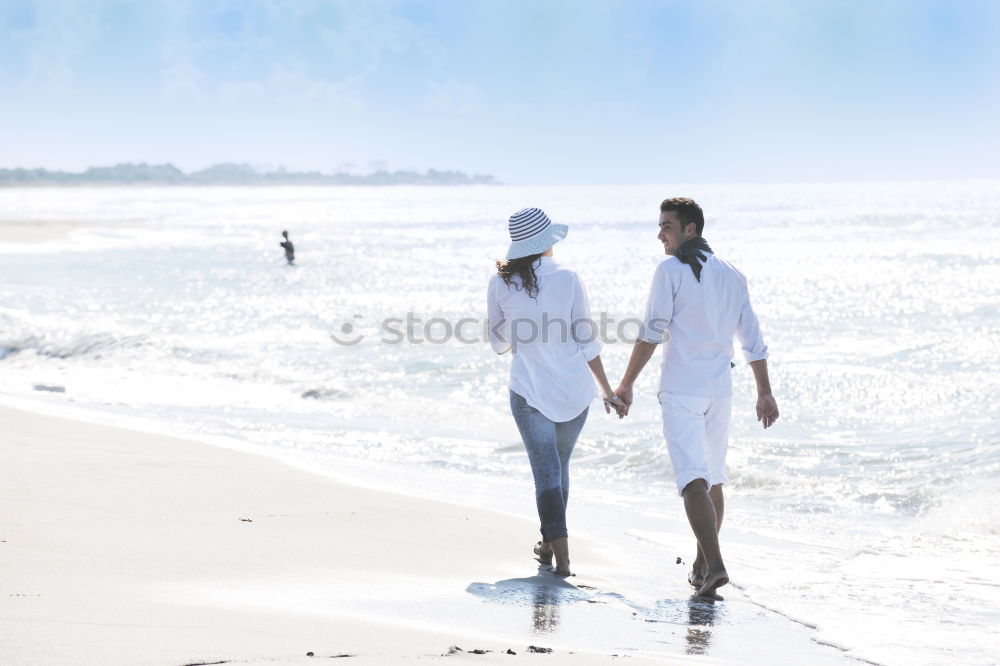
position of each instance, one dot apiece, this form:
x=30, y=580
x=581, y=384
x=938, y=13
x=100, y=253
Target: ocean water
x=870, y=511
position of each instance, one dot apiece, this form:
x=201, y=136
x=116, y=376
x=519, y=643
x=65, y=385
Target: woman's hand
x=610, y=399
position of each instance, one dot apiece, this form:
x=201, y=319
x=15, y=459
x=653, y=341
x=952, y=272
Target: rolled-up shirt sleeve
x=495, y=320
x=583, y=327
x=748, y=333
x=659, y=307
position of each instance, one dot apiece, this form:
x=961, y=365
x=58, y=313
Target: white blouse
x=552, y=337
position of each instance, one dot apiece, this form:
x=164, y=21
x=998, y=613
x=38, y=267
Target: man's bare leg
x=704, y=523
x=700, y=567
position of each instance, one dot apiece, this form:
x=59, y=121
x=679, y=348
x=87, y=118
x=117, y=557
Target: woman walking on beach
x=538, y=309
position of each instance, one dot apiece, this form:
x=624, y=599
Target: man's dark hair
x=688, y=212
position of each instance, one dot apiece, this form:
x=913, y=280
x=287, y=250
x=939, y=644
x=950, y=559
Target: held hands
x=767, y=410
x=613, y=401
x=624, y=394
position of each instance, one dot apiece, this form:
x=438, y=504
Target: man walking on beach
x=698, y=304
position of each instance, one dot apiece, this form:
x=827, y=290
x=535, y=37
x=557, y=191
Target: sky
x=530, y=91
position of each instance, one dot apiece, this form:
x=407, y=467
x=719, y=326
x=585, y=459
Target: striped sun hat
x=531, y=232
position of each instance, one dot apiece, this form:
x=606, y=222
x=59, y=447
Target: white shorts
x=697, y=432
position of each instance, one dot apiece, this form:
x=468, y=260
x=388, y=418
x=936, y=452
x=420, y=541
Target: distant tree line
x=230, y=174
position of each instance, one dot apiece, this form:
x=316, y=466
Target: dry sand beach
x=43, y=231
x=121, y=547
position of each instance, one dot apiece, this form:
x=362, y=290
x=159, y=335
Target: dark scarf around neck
x=692, y=253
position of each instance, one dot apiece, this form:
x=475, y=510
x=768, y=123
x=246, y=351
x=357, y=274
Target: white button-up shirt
x=551, y=352
x=700, y=320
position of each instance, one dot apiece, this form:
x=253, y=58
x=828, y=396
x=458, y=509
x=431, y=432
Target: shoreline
x=139, y=548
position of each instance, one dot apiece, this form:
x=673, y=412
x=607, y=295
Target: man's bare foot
x=543, y=553
x=713, y=581
x=698, y=570
x=696, y=578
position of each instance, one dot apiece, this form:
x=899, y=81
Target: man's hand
x=767, y=410
x=624, y=393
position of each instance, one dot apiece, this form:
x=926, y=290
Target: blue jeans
x=549, y=445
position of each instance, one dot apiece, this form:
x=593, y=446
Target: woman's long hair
x=524, y=268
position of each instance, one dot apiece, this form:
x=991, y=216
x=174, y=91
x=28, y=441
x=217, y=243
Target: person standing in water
x=697, y=305
x=538, y=310
x=288, y=247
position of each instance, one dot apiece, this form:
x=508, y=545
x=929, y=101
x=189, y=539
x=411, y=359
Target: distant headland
x=229, y=174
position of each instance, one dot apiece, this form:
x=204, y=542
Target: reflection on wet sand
x=545, y=609
x=543, y=593
x=701, y=617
